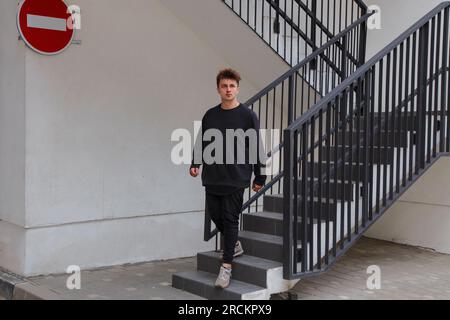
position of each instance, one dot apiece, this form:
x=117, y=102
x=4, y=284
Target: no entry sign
x=43, y=25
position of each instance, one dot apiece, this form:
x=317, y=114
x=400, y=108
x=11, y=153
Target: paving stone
x=406, y=273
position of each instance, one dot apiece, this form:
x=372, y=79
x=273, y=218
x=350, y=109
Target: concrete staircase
x=258, y=274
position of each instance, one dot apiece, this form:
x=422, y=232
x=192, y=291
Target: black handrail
x=289, y=74
x=379, y=130
x=305, y=25
x=364, y=69
x=276, y=109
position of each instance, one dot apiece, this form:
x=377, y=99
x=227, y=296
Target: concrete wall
x=12, y=118
x=100, y=185
x=422, y=216
x=228, y=35
x=12, y=141
x=396, y=17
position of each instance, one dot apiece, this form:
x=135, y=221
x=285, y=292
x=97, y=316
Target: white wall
x=396, y=17
x=101, y=115
x=422, y=215
x=12, y=118
x=229, y=36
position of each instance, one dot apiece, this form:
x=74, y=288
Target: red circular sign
x=43, y=25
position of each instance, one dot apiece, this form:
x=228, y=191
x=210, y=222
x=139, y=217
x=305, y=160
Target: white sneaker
x=223, y=279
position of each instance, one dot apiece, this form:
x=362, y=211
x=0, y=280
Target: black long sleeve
x=224, y=173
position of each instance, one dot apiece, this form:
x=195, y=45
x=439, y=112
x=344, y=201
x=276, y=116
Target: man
x=225, y=182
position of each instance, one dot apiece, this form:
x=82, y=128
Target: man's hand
x=256, y=187
x=194, y=172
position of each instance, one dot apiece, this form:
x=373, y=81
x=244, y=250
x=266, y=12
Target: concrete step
x=257, y=271
x=202, y=284
x=274, y=203
x=385, y=153
x=349, y=188
x=340, y=175
x=394, y=139
x=268, y=223
x=262, y=245
x=406, y=122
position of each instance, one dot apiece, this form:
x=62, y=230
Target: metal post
x=287, y=205
x=344, y=72
x=291, y=93
x=362, y=44
x=313, y=64
x=422, y=96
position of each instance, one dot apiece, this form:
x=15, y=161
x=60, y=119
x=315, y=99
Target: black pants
x=224, y=211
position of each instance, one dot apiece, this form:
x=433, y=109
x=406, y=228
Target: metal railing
x=375, y=134
x=294, y=29
x=290, y=96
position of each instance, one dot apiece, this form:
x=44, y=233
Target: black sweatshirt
x=224, y=178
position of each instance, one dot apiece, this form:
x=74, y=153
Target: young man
x=225, y=182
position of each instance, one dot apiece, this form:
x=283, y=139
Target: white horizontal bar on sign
x=48, y=23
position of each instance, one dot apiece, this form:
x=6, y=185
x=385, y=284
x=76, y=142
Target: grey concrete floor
x=144, y=281
x=406, y=273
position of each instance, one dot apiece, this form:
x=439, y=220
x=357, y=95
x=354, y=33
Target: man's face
x=228, y=89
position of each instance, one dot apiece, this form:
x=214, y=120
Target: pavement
x=406, y=273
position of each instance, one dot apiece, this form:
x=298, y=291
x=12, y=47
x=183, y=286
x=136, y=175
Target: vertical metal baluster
x=285, y=34
x=334, y=17
x=411, y=116
x=404, y=129
x=273, y=125
x=359, y=102
x=294, y=226
x=256, y=15
x=386, y=128
x=270, y=26
x=292, y=30
x=295, y=96
x=288, y=263
x=365, y=204
x=391, y=145
x=342, y=146
x=335, y=164
x=262, y=18
x=328, y=187
x=305, y=208
x=248, y=12
x=436, y=84
x=445, y=50
x=422, y=96
x=430, y=89
x=351, y=130
x=380, y=131
x=448, y=83
x=398, y=131
x=319, y=214
x=281, y=127
x=298, y=35
x=310, y=196
x=372, y=142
